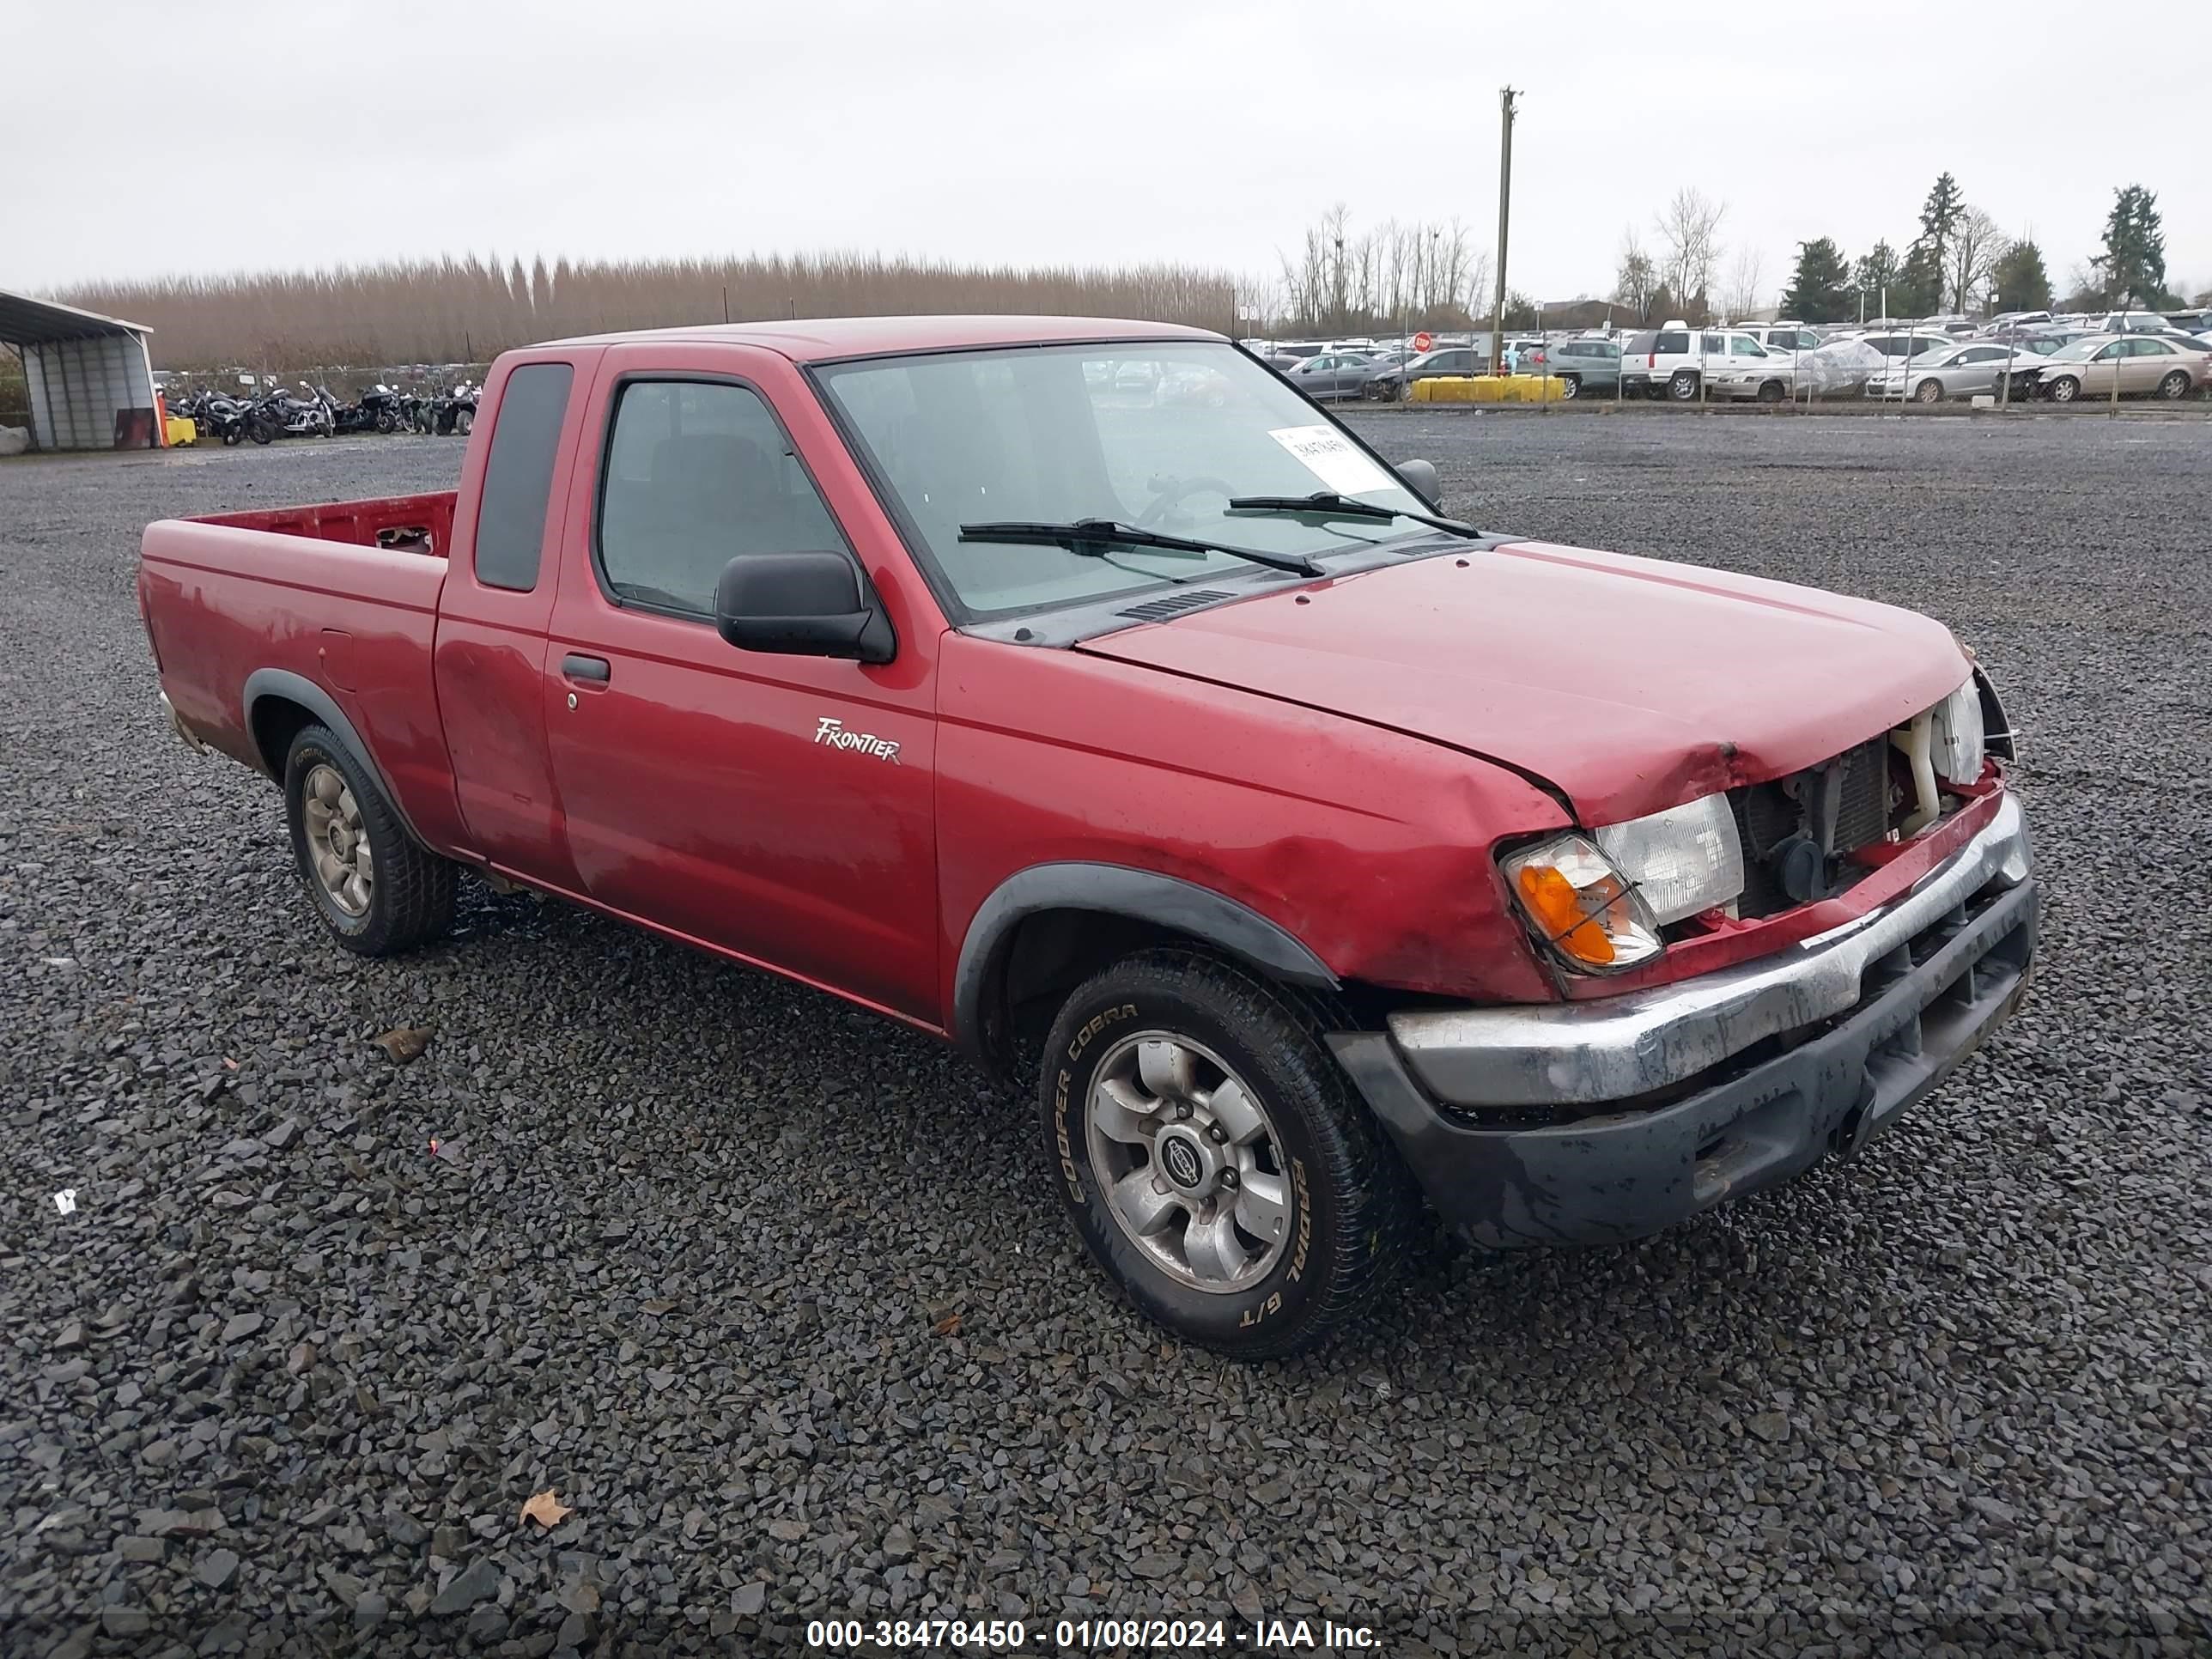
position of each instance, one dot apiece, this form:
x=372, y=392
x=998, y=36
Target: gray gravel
x=285, y=1379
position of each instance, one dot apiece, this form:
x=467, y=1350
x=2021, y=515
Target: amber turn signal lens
x=1556, y=907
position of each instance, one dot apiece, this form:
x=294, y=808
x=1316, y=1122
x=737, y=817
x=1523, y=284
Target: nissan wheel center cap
x=1179, y=1161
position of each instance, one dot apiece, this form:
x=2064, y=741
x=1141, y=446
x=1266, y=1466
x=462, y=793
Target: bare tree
x=1635, y=284
x=1689, y=229
x=1977, y=245
x=1743, y=284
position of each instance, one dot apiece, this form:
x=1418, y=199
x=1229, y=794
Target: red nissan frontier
x=1079, y=693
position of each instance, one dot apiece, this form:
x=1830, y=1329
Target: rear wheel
x=1682, y=387
x=2175, y=384
x=1928, y=391
x=377, y=890
x=1215, y=1160
x=2065, y=389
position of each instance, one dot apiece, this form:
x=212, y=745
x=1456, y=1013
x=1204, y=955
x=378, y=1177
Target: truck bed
x=335, y=600
x=421, y=524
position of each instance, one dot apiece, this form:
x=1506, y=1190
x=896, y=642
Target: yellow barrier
x=180, y=432
x=1489, y=389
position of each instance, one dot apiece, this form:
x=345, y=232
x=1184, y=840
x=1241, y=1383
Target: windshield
x=1154, y=434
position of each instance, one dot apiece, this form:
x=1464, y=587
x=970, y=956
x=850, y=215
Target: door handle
x=575, y=667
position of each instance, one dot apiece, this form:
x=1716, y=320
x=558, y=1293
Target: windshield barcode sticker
x=1331, y=457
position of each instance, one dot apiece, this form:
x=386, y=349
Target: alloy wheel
x=1189, y=1162
x=337, y=845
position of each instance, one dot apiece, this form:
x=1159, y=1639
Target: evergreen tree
x=1916, y=290
x=1920, y=280
x=2020, y=281
x=1874, y=272
x=2133, y=263
x=1821, y=290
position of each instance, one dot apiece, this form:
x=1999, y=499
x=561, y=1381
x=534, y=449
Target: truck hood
x=1625, y=685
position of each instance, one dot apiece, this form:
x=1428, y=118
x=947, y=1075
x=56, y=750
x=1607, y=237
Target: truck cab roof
x=831, y=339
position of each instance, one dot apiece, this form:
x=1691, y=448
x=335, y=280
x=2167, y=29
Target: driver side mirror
x=813, y=604
x=1420, y=477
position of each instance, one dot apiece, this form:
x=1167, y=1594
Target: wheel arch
x=1051, y=925
x=279, y=703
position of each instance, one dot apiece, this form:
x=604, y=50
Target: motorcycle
x=281, y=414
x=376, y=410
x=216, y=414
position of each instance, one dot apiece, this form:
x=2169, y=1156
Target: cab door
x=489, y=664
x=777, y=808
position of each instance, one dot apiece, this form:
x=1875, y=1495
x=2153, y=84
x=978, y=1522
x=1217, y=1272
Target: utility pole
x=1505, y=97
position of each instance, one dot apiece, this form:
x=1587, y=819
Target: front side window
x=698, y=473
x=1037, y=434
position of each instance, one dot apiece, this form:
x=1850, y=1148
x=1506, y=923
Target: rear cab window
x=518, y=478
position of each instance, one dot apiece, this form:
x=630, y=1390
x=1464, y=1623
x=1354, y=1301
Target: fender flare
x=1118, y=891
x=264, y=683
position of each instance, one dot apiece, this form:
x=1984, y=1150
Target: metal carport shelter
x=82, y=370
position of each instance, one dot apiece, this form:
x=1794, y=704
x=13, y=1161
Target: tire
x=1570, y=387
x=1928, y=391
x=231, y=436
x=1770, y=391
x=396, y=899
x=2174, y=385
x=386, y=422
x=465, y=421
x=1328, y=1230
x=2065, y=389
x=1682, y=386
x=262, y=431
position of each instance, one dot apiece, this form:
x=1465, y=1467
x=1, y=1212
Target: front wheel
x=1214, y=1159
x=262, y=431
x=1770, y=391
x=1928, y=391
x=464, y=421
x=2065, y=389
x=377, y=890
x=1570, y=387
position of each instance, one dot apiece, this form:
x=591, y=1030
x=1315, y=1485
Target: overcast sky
x=273, y=133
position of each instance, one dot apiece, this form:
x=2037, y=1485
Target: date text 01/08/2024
x=1093, y=1635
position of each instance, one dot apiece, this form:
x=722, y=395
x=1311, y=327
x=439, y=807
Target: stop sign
x=1424, y=341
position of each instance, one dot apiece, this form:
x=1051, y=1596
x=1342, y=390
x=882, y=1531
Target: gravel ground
x=690, y=1248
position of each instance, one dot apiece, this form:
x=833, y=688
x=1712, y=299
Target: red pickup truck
x=1077, y=692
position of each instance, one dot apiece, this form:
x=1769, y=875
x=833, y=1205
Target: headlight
x=1581, y=907
x=1956, y=739
x=1684, y=859
x=1599, y=899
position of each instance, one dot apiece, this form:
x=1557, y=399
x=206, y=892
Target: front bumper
x=1684, y=1096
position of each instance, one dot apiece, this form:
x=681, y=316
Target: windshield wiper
x=1326, y=504
x=1090, y=538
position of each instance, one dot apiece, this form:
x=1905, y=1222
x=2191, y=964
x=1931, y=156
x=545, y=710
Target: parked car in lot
x=1389, y=383
x=1746, y=370
x=1957, y=370
x=1683, y=363
x=2141, y=366
x=1306, y=851
x=2133, y=322
x=1331, y=375
x=1587, y=368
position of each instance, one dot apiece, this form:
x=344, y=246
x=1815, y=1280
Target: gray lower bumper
x=1923, y=992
